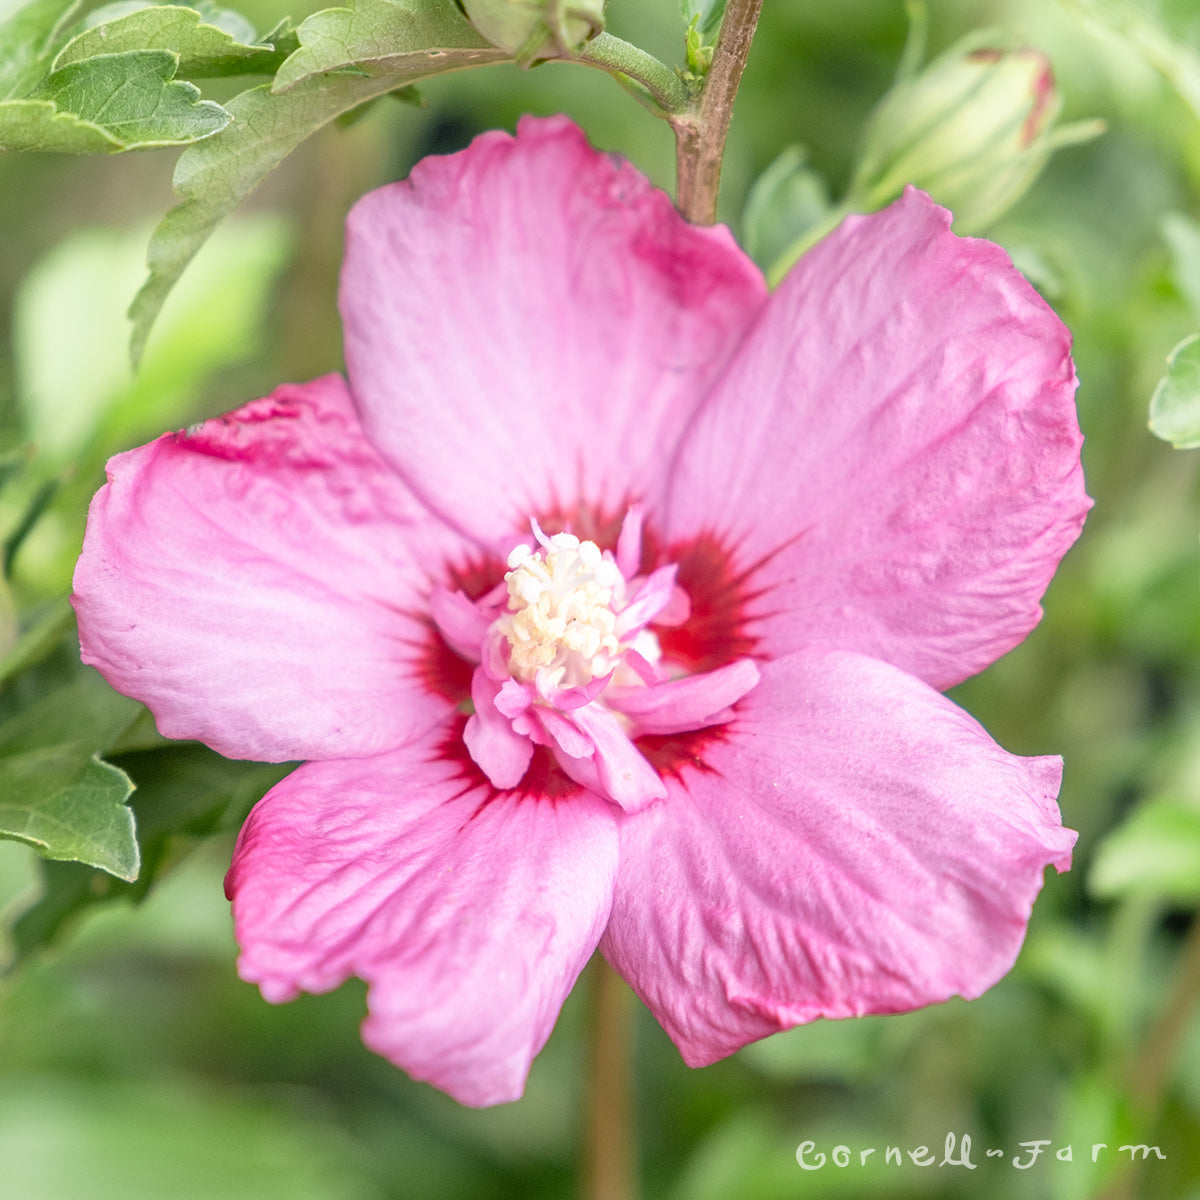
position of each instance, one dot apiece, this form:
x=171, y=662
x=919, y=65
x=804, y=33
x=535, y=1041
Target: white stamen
x=562, y=610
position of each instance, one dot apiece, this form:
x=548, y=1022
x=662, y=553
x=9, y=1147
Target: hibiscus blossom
x=609, y=604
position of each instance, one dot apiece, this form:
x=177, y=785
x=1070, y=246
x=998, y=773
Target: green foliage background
x=133, y=1063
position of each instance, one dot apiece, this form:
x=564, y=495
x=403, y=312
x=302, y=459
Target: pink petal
x=570, y=698
x=629, y=542
x=655, y=594
x=851, y=843
x=529, y=324
x=468, y=913
x=676, y=611
x=564, y=733
x=894, y=453
x=462, y=625
x=259, y=582
x=624, y=774
x=513, y=698
x=682, y=704
x=500, y=753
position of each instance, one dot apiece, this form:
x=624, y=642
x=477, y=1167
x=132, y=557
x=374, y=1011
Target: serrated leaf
x=109, y=104
x=1155, y=853
x=184, y=792
x=38, y=125
x=214, y=176
x=26, y=41
x=1175, y=405
x=414, y=38
x=55, y=793
x=231, y=21
x=83, y=819
x=134, y=97
x=203, y=48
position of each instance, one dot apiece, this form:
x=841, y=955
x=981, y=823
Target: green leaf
x=55, y=794
x=134, y=97
x=1175, y=405
x=705, y=14
x=1183, y=239
x=184, y=792
x=67, y=813
x=108, y=104
x=61, y=703
x=1155, y=853
x=203, y=48
x=214, y=176
x=788, y=199
x=38, y=125
x=1173, y=58
x=410, y=38
x=78, y=396
x=26, y=41
x=132, y=1135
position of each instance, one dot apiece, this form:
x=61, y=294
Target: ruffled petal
x=851, y=843
x=469, y=913
x=500, y=753
x=894, y=453
x=529, y=325
x=679, y=705
x=624, y=774
x=260, y=582
x=463, y=625
x=656, y=593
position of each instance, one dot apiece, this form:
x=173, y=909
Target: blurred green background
x=134, y=1064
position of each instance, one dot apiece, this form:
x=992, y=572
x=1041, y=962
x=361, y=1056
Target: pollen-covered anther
x=562, y=611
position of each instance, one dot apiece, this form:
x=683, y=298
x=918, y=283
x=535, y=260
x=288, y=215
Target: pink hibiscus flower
x=609, y=604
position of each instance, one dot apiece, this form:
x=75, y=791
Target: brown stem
x=1156, y=1056
x=1158, y=1053
x=611, y=1148
x=700, y=134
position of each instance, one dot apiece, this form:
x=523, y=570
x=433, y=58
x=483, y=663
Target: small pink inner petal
x=513, y=698
x=571, y=698
x=528, y=725
x=625, y=775
x=645, y=670
x=462, y=625
x=499, y=751
x=494, y=657
x=676, y=610
x=684, y=704
x=652, y=597
x=629, y=542
x=567, y=735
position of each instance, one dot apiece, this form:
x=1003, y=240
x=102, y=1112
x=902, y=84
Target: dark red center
x=714, y=634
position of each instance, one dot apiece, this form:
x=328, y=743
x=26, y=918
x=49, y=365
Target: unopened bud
x=973, y=128
x=532, y=30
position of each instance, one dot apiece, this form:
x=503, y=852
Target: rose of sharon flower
x=609, y=605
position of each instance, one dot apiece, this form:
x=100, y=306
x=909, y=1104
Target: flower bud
x=531, y=30
x=973, y=129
